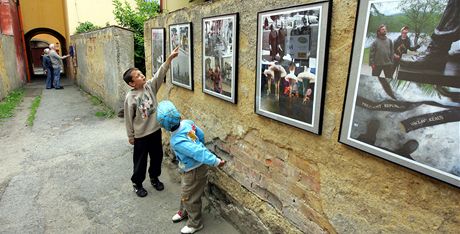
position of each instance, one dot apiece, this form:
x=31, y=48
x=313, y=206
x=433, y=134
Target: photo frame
x=292, y=48
x=182, y=66
x=403, y=102
x=158, y=48
x=220, y=56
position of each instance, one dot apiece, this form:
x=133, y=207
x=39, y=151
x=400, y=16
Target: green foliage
x=33, y=110
x=422, y=16
x=10, y=102
x=394, y=23
x=134, y=19
x=366, y=55
x=106, y=112
x=86, y=27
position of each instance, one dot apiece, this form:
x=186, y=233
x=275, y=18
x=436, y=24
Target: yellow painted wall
x=97, y=12
x=172, y=5
x=44, y=14
x=47, y=38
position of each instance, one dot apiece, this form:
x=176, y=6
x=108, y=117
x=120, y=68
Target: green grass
x=33, y=110
x=366, y=56
x=106, y=112
x=10, y=102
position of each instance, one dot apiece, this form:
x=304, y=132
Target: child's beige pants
x=193, y=183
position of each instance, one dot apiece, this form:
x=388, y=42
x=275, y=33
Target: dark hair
x=127, y=75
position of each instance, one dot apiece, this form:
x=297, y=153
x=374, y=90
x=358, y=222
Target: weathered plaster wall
x=281, y=179
x=102, y=57
x=10, y=73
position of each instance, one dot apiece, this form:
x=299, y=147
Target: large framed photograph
x=158, y=48
x=180, y=35
x=403, y=94
x=291, y=64
x=220, y=46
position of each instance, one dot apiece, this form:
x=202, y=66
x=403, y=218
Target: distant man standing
x=48, y=68
x=56, y=61
x=381, y=54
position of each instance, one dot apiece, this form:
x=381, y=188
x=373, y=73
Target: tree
x=422, y=15
x=86, y=27
x=134, y=19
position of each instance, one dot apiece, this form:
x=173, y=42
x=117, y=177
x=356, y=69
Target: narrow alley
x=70, y=173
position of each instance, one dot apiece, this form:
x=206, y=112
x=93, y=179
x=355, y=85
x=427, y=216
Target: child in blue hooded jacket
x=187, y=142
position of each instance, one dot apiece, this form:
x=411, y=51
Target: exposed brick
x=224, y=146
x=273, y=151
x=279, y=179
x=297, y=191
x=291, y=172
x=253, y=137
x=303, y=165
x=310, y=182
x=259, y=166
x=277, y=165
x=316, y=217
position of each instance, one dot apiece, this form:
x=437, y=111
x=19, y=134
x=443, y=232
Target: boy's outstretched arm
x=157, y=80
x=198, y=152
x=173, y=55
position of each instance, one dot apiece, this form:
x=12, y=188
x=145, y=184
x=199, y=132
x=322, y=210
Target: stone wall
x=101, y=58
x=281, y=179
x=10, y=73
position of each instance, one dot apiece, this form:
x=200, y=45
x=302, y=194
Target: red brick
x=303, y=165
x=310, y=182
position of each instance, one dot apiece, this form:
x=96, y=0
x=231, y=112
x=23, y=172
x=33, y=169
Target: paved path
x=69, y=173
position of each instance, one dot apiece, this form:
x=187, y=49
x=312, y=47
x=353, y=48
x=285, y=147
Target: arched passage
x=29, y=35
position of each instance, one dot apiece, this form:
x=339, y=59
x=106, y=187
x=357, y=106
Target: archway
x=37, y=31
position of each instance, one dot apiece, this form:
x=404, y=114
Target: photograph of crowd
x=180, y=35
x=158, y=48
x=291, y=50
x=219, y=56
x=403, y=97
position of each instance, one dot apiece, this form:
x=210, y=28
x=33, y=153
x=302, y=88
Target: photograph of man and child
x=414, y=123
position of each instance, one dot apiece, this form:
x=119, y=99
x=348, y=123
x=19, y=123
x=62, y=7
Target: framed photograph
x=180, y=35
x=220, y=46
x=403, y=94
x=158, y=49
x=291, y=64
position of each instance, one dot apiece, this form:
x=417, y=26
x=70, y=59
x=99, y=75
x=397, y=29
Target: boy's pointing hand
x=173, y=54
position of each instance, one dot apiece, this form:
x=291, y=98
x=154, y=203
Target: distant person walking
x=48, y=68
x=56, y=62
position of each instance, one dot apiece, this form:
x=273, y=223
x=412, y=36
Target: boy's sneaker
x=156, y=183
x=179, y=216
x=140, y=191
x=187, y=229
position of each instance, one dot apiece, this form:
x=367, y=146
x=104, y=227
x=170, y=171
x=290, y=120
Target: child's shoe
x=140, y=191
x=156, y=183
x=179, y=216
x=187, y=229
